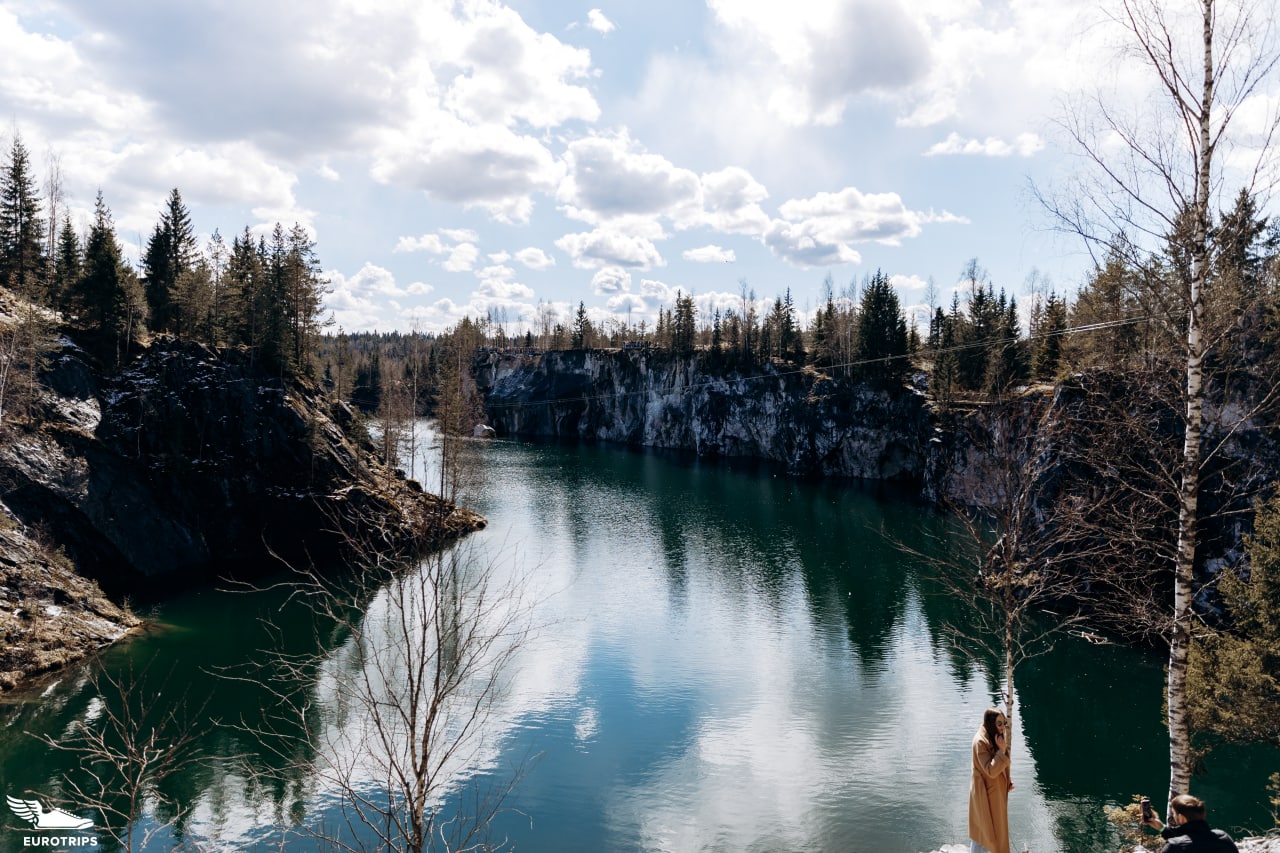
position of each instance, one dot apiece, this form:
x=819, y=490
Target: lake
x=722, y=658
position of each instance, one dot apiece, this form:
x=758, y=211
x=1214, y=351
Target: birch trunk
x=1180, y=638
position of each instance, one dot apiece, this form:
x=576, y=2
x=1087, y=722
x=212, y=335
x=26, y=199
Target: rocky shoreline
x=186, y=465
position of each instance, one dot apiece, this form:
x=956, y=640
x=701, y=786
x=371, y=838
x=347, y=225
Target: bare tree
x=1018, y=544
x=128, y=745
x=1206, y=65
x=391, y=711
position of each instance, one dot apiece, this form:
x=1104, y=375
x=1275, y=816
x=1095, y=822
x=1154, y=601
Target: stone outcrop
x=185, y=465
x=800, y=418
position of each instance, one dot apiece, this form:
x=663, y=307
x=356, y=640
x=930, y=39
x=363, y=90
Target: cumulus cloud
x=459, y=256
x=708, y=254
x=604, y=247
x=598, y=22
x=489, y=167
x=535, y=259
x=730, y=203
x=818, y=231
x=359, y=302
x=1023, y=145
x=816, y=56
x=610, y=281
x=441, y=97
x=609, y=176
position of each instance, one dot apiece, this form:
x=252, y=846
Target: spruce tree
x=22, y=257
x=882, y=332
x=67, y=265
x=106, y=295
x=170, y=253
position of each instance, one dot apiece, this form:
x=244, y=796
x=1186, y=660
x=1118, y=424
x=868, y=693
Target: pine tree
x=22, y=258
x=304, y=294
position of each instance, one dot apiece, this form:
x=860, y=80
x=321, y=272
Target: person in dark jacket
x=1188, y=831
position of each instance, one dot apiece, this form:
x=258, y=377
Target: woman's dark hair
x=989, y=718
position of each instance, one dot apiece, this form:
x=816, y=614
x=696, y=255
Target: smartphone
x=1147, y=812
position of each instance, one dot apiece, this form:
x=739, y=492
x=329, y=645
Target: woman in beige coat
x=990, y=786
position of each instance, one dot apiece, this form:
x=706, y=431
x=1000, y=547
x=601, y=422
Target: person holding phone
x=990, y=785
x=1188, y=831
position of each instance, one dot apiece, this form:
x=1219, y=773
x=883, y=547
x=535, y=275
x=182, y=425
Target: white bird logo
x=35, y=814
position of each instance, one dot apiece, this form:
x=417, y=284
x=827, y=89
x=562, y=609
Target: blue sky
x=457, y=158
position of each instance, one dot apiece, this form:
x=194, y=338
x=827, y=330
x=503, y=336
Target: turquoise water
x=722, y=659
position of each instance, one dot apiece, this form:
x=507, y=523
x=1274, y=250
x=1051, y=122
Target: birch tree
x=1156, y=171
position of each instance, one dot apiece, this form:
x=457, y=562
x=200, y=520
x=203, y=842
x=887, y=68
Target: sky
x=479, y=158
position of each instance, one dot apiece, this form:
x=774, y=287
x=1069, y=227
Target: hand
x=1011, y=785
x=1000, y=742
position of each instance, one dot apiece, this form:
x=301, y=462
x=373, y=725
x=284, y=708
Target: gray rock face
x=192, y=462
x=799, y=418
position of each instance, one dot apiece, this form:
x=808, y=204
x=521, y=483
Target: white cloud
x=818, y=231
x=812, y=57
x=1023, y=145
x=708, y=254
x=489, y=167
x=603, y=247
x=461, y=256
x=598, y=22
x=535, y=259
x=461, y=235
x=730, y=203
x=426, y=243
x=610, y=281
x=358, y=302
x=609, y=176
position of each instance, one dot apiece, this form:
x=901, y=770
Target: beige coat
x=989, y=795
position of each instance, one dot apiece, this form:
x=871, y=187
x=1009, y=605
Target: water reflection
x=725, y=660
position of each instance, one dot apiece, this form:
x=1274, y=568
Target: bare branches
x=128, y=745
x=389, y=713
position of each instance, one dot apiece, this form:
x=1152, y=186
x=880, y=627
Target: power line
x=694, y=386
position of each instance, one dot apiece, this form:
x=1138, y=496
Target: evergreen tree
x=170, y=253
x=684, y=324
x=1234, y=674
x=66, y=267
x=1048, y=331
x=107, y=295
x=22, y=258
x=244, y=286
x=303, y=292
x=1107, y=297
x=945, y=380
x=1008, y=363
x=581, y=338
x=882, y=332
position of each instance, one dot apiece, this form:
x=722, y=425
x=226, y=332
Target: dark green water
x=724, y=660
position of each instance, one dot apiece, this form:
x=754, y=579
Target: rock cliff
x=808, y=422
x=184, y=465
